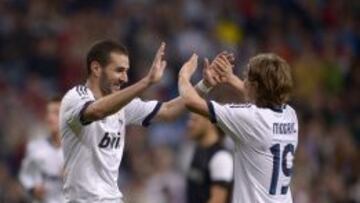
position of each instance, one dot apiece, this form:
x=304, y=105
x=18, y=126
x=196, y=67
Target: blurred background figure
x=166, y=185
x=210, y=175
x=41, y=170
x=135, y=188
x=41, y=54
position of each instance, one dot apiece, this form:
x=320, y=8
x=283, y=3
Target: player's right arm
x=110, y=104
x=226, y=74
x=191, y=98
x=233, y=120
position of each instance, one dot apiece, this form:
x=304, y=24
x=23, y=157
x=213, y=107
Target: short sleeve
x=139, y=112
x=234, y=119
x=74, y=104
x=222, y=168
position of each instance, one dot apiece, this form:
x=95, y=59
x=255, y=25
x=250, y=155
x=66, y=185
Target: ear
x=95, y=68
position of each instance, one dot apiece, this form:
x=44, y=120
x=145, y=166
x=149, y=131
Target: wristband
x=202, y=87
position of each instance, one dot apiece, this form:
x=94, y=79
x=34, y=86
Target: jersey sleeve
x=30, y=173
x=73, y=105
x=221, y=168
x=234, y=119
x=139, y=112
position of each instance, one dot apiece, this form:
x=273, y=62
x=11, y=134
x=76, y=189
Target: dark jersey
x=209, y=166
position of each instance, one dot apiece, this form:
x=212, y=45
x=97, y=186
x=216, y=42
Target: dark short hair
x=271, y=76
x=100, y=52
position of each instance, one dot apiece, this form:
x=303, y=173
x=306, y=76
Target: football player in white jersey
x=42, y=168
x=93, y=119
x=265, y=130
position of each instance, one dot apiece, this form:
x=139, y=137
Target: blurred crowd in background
x=42, y=53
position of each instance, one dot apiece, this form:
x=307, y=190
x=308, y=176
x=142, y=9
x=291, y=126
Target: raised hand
x=189, y=67
x=213, y=73
x=158, y=66
x=223, y=67
x=209, y=76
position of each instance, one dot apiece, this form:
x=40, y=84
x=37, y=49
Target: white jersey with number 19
x=265, y=143
x=93, y=150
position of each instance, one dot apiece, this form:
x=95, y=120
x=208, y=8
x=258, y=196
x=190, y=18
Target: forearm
x=236, y=83
x=217, y=200
x=112, y=103
x=174, y=108
x=218, y=195
x=191, y=98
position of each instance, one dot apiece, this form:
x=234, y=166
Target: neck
x=55, y=140
x=94, y=87
x=210, y=137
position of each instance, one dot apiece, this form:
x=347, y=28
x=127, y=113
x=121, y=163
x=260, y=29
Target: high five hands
x=220, y=70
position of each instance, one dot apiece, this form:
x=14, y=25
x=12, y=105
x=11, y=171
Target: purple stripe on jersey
x=82, y=121
x=148, y=118
x=212, y=115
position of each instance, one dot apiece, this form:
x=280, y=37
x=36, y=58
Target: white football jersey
x=93, y=151
x=265, y=144
x=43, y=165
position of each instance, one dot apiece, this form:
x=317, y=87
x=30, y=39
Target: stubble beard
x=105, y=86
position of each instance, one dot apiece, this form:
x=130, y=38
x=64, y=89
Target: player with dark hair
x=93, y=119
x=265, y=130
x=42, y=168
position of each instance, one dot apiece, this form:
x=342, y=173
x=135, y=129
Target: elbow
x=93, y=114
x=98, y=115
x=190, y=103
x=166, y=117
x=166, y=113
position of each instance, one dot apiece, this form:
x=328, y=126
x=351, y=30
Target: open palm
x=158, y=66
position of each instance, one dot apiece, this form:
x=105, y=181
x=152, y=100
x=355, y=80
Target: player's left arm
x=192, y=100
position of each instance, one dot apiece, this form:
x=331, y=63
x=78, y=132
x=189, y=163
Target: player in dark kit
x=210, y=176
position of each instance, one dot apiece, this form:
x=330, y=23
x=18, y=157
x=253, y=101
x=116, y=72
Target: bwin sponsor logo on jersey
x=110, y=140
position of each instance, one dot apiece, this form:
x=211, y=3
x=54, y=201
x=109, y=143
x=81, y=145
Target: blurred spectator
x=166, y=185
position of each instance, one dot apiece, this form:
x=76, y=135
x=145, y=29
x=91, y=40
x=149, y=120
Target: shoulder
x=221, y=166
x=241, y=105
x=222, y=157
x=233, y=112
x=77, y=91
x=77, y=94
x=136, y=100
x=36, y=143
x=36, y=146
x=290, y=109
x=233, y=107
x=242, y=110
